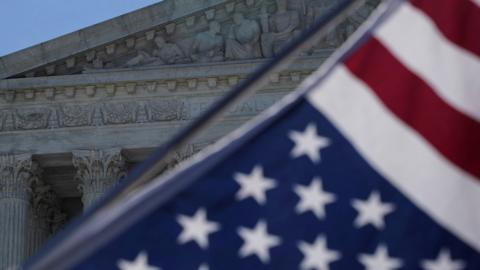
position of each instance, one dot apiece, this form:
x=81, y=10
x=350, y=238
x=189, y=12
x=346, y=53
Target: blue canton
x=294, y=195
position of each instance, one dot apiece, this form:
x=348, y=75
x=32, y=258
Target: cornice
x=143, y=81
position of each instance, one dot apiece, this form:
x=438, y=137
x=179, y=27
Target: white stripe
x=476, y=2
x=447, y=194
x=450, y=70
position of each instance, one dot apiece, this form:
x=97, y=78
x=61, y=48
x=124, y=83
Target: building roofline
x=99, y=34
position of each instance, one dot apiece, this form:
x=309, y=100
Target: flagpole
x=149, y=168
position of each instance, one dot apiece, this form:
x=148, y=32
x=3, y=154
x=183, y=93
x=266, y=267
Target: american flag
x=375, y=167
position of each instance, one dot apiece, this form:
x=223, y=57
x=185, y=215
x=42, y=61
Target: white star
x=140, y=263
x=308, y=143
x=317, y=255
x=379, y=260
x=254, y=185
x=196, y=228
x=203, y=266
x=257, y=241
x=444, y=261
x=372, y=211
x=313, y=198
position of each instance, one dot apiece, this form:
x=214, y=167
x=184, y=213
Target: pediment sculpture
x=226, y=30
x=250, y=31
x=165, y=53
x=280, y=28
x=209, y=46
x=243, y=40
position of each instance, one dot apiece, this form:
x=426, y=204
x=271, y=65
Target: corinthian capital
x=46, y=207
x=16, y=175
x=97, y=171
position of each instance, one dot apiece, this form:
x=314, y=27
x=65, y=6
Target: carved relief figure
x=31, y=118
x=165, y=110
x=243, y=40
x=165, y=53
x=118, y=113
x=315, y=9
x=283, y=26
x=346, y=29
x=209, y=46
x=168, y=53
x=75, y=115
x=142, y=58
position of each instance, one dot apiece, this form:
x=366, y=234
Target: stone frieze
x=74, y=115
x=70, y=115
x=31, y=118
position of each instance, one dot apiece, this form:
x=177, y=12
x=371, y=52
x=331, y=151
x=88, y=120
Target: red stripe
x=458, y=20
x=452, y=133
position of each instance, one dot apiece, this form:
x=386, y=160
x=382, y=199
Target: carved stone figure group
x=208, y=46
x=165, y=53
x=245, y=38
x=282, y=27
x=242, y=42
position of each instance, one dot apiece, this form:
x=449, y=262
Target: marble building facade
x=78, y=111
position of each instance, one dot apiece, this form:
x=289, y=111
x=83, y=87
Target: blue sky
x=24, y=23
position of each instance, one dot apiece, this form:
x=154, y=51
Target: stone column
x=46, y=217
x=15, y=196
x=97, y=170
